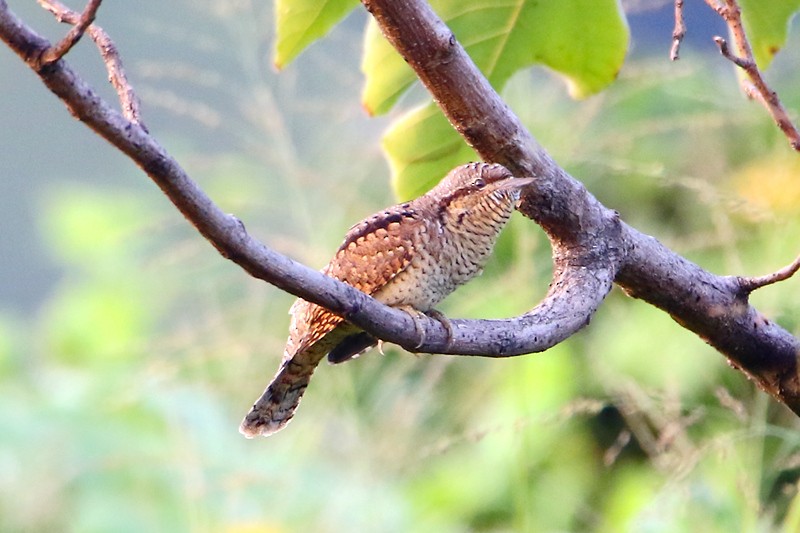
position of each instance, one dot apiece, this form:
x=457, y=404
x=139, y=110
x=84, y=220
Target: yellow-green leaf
x=301, y=22
x=767, y=23
x=421, y=147
x=386, y=75
x=585, y=41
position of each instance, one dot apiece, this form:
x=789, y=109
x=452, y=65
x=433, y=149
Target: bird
x=411, y=256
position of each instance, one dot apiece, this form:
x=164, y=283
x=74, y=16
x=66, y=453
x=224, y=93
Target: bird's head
x=475, y=187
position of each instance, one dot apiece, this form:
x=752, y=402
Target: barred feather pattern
x=411, y=255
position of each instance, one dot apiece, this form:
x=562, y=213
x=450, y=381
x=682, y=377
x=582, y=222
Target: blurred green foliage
x=122, y=393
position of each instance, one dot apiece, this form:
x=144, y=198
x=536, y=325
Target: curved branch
x=565, y=310
x=750, y=284
x=714, y=307
x=576, y=292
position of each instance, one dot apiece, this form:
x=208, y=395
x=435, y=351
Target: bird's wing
x=374, y=251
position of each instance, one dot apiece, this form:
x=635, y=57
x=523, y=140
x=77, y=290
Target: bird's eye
x=479, y=183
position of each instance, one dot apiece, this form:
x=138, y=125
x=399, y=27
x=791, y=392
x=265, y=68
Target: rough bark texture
x=581, y=229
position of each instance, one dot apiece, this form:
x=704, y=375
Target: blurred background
x=130, y=350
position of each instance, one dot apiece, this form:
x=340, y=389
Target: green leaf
x=387, y=75
x=767, y=23
x=584, y=41
x=419, y=145
x=301, y=22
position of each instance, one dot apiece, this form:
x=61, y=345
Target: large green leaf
x=301, y=22
x=767, y=23
x=386, y=75
x=585, y=41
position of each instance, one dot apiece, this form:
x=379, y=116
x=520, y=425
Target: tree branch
x=679, y=32
x=56, y=52
x=712, y=306
x=732, y=15
x=749, y=284
x=563, y=312
x=129, y=102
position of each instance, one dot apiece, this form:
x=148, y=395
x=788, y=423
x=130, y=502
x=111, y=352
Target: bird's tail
x=275, y=408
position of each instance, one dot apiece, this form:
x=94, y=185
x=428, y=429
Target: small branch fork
x=83, y=23
x=592, y=248
x=756, y=87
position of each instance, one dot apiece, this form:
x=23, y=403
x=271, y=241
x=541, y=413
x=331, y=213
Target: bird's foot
x=444, y=321
x=415, y=313
x=420, y=330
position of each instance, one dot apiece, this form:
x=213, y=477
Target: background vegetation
x=129, y=350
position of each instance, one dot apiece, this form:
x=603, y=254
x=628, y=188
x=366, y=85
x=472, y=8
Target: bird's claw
x=444, y=321
x=434, y=314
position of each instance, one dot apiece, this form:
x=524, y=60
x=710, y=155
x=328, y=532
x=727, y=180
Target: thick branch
x=714, y=307
x=564, y=312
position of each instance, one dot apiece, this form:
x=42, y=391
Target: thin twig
x=679, y=32
x=74, y=35
x=129, y=101
x=749, y=284
x=725, y=50
x=731, y=13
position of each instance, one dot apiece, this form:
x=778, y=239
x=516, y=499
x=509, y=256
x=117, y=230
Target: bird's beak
x=513, y=183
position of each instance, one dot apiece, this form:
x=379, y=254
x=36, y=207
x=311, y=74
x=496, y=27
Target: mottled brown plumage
x=411, y=255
